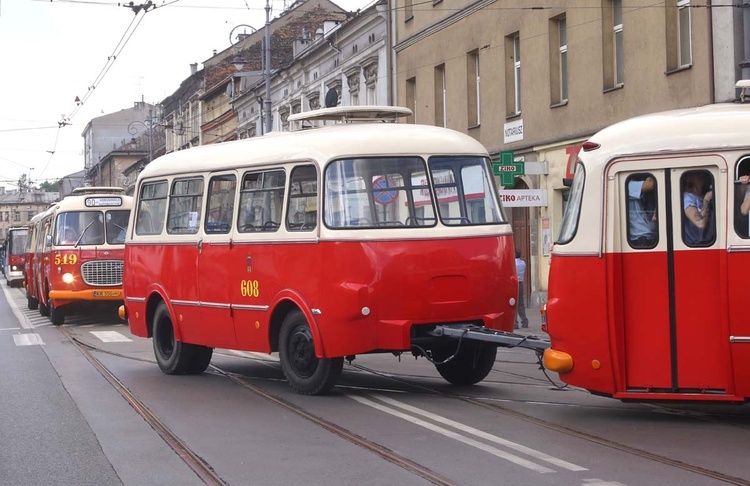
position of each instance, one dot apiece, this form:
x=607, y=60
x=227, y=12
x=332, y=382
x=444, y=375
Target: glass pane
x=117, y=226
x=564, y=75
x=261, y=201
x=80, y=227
x=302, y=213
x=643, y=226
x=619, y=58
x=698, y=215
x=220, y=204
x=573, y=208
x=185, y=206
x=685, y=55
x=561, y=26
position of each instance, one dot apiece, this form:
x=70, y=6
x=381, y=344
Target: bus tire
x=173, y=356
x=31, y=302
x=472, y=364
x=200, y=360
x=43, y=309
x=56, y=315
x=306, y=374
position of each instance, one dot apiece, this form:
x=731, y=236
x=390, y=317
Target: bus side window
x=261, y=199
x=742, y=197
x=220, y=207
x=152, y=206
x=302, y=211
x=642, y=221
x=185, y=204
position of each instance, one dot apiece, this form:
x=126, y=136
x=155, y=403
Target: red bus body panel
x=358, y=296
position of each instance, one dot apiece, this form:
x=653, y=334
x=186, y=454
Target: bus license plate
x=106, y=293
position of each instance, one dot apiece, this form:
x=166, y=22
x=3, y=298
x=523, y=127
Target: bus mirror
x=48, y=240
x=567, y=181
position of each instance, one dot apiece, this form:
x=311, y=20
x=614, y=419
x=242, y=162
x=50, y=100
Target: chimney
x=193, y=68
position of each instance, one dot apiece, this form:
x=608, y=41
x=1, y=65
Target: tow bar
x=500, y=338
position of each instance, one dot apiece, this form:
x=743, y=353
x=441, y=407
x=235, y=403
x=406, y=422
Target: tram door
x=670, y=271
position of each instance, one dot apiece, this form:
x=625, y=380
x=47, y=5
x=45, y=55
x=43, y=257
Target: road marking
x=28, y=339
x=10, y=329
x=600, y=482
x=111, y=337
x=483, y=435
x=16, y=311
x=453, y=435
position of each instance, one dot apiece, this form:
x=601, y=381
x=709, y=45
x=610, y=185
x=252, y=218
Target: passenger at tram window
x=69, y=237
x=742, y=202
x=699, y=223
x=642, y=222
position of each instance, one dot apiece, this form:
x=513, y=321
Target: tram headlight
x=67, y=278
x=13, y=268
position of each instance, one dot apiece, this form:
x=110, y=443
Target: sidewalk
x=535, y=323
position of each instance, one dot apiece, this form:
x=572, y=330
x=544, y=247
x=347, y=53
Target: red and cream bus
x=647, y=281
x=29, y=281
x=321, y=244
x=14, y=255
x=78, y=251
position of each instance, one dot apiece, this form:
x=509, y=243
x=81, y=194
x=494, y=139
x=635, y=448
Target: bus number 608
x=249, y=288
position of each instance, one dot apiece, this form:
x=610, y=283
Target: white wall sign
x=523, y=198
x=513, y=131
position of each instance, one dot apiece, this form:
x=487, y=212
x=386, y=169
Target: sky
x=54, y=52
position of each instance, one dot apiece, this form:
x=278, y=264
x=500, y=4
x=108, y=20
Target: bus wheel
x=173, y=356
x=472, y=364
x=307, y=374
x=200, y=360
x=56, y=315
x=31, y=302
x=43, y=309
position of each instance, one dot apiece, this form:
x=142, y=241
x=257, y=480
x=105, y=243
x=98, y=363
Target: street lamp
x=148, y=126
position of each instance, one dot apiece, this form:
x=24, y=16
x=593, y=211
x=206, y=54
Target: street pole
x=269, y=125
x=150, y=136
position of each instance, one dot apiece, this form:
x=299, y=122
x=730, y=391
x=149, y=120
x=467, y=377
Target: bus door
x=671, y=275
x=214, y=274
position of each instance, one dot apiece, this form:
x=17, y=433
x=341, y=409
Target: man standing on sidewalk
x=521, y=308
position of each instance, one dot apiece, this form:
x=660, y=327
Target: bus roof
x=80, y=191
x=321, y=144
x=704, y=128
x=353, y=113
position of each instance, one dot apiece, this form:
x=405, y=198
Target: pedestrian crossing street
x=27, y=321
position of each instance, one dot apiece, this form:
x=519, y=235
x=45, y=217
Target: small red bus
x=15, y=255
x=321, y=244
x=647, y=281
x=29, y=281
x=78, y=252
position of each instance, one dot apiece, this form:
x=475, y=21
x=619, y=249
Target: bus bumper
x=558, y=361
x=88, y=294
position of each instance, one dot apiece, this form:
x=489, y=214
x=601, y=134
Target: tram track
x=494, y=407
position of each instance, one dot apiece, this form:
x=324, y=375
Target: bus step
x=500, y=338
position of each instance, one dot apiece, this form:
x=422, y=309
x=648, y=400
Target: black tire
x=31, y=302
x=56, y=315
x=43, y=309
x=472, y=364
x=175, y=357
x=306, y=373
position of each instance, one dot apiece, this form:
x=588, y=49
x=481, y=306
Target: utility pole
x=269, y=125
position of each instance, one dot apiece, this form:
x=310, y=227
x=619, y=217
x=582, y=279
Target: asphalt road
x=63, y=423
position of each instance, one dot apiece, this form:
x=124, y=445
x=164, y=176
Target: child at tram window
x=742, y=196
x=641, y=221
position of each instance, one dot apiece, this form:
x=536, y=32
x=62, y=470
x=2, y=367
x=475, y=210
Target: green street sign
x=507, y=168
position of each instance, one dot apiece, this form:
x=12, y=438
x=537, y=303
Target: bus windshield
x=573, y=210
x=383, y=192
x=17, y=242
x=88, y=228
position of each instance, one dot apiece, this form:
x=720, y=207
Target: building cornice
x=447, y=22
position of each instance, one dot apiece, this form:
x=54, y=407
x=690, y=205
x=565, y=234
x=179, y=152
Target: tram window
x=573, y=209
x=698, y=215
x=220, y=207
x=185, y=204
x=302, y=211
x=463, y=190
x=261, y=200
x=152, y=206
x=382, y=192
x=742, y=197
x=642, y=221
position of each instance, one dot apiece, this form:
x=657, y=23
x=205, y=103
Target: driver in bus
x=69, y=237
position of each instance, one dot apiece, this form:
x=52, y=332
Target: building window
x=411, y=99
x=408, y=10
x=513, y=75
x=472, y=88
x=612, y=40
x=440, y=96
x=558, y=58
x=678, y=30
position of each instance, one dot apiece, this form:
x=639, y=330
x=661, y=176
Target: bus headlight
x=67, y=278
x=14, y=268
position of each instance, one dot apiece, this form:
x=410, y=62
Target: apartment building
x=538, y=80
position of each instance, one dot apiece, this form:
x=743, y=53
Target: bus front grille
x=102, y=272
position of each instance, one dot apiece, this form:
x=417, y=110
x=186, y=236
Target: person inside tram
x=642, y=224
x=698, y=225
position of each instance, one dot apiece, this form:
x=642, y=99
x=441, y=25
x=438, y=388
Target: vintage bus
x=647, y=279
x=78, y=251
x=321, y=244
x=29, y=281
x=14, y=255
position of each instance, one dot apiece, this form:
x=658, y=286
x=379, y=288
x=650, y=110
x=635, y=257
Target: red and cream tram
x=647, y=283
x=78, y=246
x=15, y=255
x=321, y=244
